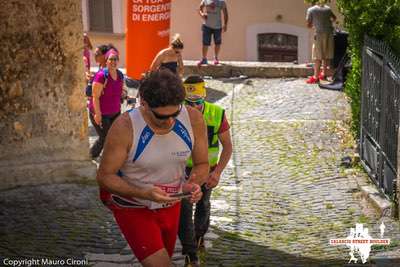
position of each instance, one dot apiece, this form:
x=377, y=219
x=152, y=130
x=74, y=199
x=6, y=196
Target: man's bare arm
x=226, y=153
x=226, y=18
x=200, y=148
x=215, y=175
x=115, y=152
x=201, y=11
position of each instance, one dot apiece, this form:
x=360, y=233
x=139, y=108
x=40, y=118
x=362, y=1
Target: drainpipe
x=396, y=198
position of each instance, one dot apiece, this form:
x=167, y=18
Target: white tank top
x=157, y=160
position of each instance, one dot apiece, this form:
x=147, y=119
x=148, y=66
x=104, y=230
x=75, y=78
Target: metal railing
x=380, y=99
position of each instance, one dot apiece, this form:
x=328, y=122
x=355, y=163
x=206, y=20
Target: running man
x=143, y=166
x=192, y=235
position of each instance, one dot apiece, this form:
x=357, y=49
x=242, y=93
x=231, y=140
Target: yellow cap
x=195, y=90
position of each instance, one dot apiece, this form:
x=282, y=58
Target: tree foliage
x=376, y=18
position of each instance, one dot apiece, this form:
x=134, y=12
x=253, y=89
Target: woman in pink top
x=105, y=105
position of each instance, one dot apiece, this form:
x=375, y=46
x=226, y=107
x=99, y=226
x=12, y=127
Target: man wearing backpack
x=104, y=104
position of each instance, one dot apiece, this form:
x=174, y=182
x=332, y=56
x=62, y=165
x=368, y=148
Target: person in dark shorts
x=212, y=27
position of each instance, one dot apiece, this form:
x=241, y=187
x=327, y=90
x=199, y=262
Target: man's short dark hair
x=103, y=49
x=162, y=88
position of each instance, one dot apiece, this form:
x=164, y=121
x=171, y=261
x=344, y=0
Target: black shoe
x=191, y=260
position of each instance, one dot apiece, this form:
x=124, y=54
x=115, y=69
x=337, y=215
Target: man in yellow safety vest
x=192, y=233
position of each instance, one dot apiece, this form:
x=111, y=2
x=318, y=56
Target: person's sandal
x=312, y=80
x=322, y=76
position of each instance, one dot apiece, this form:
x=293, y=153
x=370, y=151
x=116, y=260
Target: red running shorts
x=148, y=231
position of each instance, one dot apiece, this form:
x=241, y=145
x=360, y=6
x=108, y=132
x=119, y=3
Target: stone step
x=246, y=68
x=250, y=69
x=377, y=200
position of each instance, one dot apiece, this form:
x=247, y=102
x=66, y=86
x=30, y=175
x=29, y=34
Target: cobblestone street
x=285, y=194
x=281, y=198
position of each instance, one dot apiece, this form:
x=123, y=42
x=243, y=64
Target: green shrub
x=376, y=18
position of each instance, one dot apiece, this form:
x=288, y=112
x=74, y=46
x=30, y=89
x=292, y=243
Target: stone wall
x=43, y=122
x=250, y=69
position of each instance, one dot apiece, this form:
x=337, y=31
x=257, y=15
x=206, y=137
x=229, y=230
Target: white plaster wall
x=117, y=16
x=85, y=15
x=246, y=17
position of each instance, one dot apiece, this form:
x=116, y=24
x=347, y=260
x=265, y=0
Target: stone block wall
x=43, y=121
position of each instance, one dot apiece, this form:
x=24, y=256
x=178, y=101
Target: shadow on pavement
x=231, y=249
x=213, y=95
x=56, y=221
x=68, y=220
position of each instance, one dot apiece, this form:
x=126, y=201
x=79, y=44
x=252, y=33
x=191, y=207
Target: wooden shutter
x=277, y=47
x=100, y=16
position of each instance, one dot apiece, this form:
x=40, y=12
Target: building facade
x=258, y=30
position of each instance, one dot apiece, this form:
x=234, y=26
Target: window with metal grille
x=277, y=47
x=100, y=16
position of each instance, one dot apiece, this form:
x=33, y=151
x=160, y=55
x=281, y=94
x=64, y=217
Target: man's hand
x=225, y=28
x=194, y=189
x=98, y=119
x=213, y=179
x=156, y=194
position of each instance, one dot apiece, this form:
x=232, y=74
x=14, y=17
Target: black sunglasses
x=113, y=58
x=195, y=102
x=166, y=117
